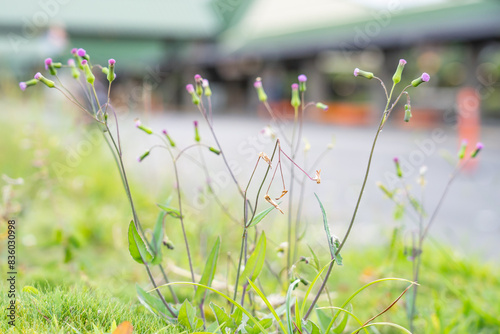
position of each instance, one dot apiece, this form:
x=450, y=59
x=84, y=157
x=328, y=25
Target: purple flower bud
x=111, y=61
x=74, y=51
x=423, y=78
x=479, y=147
x=402, y=62
x=48, y=62
x=195, y=124
x=399, y=172
x=81, y=52
x=295, y=86
x=322, y=106
x=164, y=132
x=190, y=88
x=257, y=84
x=137, y=123
x=23, y=85
x=197, y=77
x=38, y=76
x=358, y=72
x=84, y=62
x=205, y=83
x=302, y=78
x=71, y=62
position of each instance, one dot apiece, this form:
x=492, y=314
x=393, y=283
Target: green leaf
x=258, y=217
x=152, y=303
x=333, y=244
x=256, y=260
x=209, y=271
x=289, y=323
x=323, y=320
x=237, y=317
x=298, y=317
x=222, y=318
x=170, y=211
x=311, y=327
x=340, y=328
x=187, y=317
x=136, y=245
x=157, y=240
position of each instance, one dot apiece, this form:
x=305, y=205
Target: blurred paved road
x=469, y=218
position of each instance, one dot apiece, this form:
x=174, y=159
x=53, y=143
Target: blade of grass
x=268, y=304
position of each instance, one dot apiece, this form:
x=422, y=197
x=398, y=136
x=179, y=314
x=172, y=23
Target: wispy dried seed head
x=266, y=159
x=273, y=203
x=283, y=193
x=317, y=178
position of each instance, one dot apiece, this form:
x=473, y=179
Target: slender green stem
x=382, y=121
x=248, y=222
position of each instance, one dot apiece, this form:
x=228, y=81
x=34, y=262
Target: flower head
x=74, y=51
x=358, y=72
x=302, y=78
x=48, y=62
x=111, y=61
x=84, y=62
x=479, y=147
x=38, y=75
x=81, y=52
x=197, y=77
x=205, y=83
x=322, y=106
x=260, y=90
x=190, y=88
x=71, y=62
x=295, y=86
x=396, y=78
x=23, y=85
x=425, y=77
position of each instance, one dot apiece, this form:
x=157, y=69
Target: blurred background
x=160, y=45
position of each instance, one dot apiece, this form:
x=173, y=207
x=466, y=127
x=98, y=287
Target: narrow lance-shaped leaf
x=256, y=260
x=333, y=242
x=261, y=215
x=136, y=245
x=209, y=271
x=289, y=306
x=171, y=211
x=158, y=239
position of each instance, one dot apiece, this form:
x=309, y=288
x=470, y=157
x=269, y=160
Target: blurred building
x=159, y=45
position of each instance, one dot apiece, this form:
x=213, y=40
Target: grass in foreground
x=78, y=310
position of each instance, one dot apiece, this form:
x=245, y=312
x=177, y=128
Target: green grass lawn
x=72, y=247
